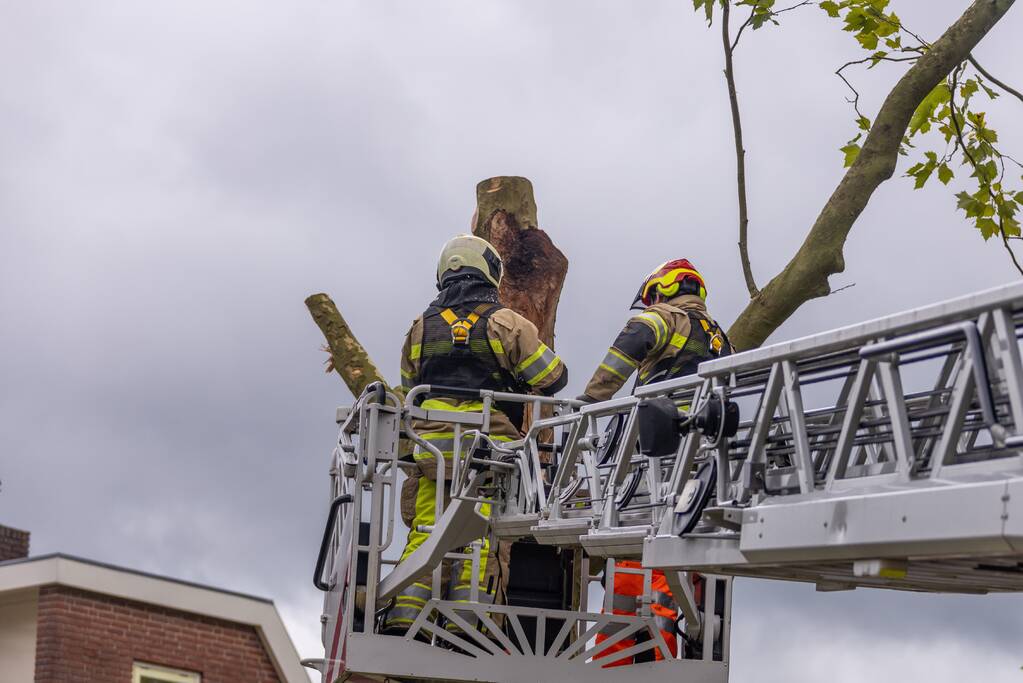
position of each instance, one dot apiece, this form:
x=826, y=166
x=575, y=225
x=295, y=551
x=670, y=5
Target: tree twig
x=740, y=154
x=856, y=95
x=973, y=162
x=753, y=12
x=1000, y=84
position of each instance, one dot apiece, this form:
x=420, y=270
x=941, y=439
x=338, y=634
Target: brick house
x=68, y=620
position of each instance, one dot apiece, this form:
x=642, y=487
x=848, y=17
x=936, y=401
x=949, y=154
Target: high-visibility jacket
x=502, y=351
x=667, y=340
x=627, y=590
x=465, y=339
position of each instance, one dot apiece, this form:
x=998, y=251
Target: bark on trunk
x=534, y=268
x=806, y=275
x=347, y=355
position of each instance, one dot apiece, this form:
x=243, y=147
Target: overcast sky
x=175, y=178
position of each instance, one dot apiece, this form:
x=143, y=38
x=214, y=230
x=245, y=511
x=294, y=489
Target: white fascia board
x=168, y=593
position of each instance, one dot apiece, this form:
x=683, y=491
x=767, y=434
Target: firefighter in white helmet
x=465, y=339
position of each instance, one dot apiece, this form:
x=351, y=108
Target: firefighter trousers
x=418, y=510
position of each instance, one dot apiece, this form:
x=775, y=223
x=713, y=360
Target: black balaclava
x=465, y=285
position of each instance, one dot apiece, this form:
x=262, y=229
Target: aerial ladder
x=881, y=455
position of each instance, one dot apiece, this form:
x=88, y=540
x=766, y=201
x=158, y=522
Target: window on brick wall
x=151, y=673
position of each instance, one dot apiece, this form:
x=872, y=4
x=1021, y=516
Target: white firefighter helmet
x=468, y=251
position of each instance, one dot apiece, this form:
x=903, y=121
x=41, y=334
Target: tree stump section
x=534, y=269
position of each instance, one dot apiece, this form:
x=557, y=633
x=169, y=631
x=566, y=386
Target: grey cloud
x=177, y=177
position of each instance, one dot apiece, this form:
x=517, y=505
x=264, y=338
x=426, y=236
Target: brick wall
x=90, y=638
x=13, y=543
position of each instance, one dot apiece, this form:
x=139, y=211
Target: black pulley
x=659, y=433
x=609, y=443
x=719, y=416
x=694, y=497
x=611, y=438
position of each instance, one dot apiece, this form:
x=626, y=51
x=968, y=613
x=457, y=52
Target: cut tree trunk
x=806, y=275
x=534, y=269
x=348, y=357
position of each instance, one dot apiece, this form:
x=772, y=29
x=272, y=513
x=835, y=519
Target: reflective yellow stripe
x=605, y=366
x=678, y=341
x=622, y=357
x=539, y=364
x=463, y=407
x=659, y=326
x=415, y=352
x=531, y=359
x=497, y=346
x=543, y=373
x=619, y=364
x=407, y=374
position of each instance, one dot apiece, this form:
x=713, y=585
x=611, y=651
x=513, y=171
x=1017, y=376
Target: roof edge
x=136, y=572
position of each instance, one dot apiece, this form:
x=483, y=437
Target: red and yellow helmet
x=671, y=279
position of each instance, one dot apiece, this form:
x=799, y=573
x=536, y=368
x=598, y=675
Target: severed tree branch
x=740, y=152
x=347, y=356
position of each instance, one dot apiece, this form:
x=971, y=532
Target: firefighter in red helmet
x=672, y=335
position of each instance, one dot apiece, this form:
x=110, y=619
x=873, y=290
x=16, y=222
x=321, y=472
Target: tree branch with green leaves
x=934, y=94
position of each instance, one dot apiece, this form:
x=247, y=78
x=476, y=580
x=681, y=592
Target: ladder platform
x=563, y=650
x=561, y=532
x=619, y=543
x=879, y=538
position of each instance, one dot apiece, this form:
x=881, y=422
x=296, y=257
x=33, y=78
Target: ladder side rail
x=606, y=513
x=963, y=308
x=960, y=399
x=1010, y=365
x=567, y=471
x=902, y=435
x=850, y=422
x=825, y=443
x=802, y=458
x=623, y=464
x=709, y=617
x=763, y=422
x=937, y=403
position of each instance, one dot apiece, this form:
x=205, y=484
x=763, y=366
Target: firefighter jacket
x=667, y=340
x=467, y=339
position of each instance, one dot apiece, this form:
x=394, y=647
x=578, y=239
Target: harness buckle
x=460, y=327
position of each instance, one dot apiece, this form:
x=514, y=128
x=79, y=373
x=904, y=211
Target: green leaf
x=944, y=174
x=708, y=8
x=1018, y=197
x=1011, y=227
x=851, y=151
x=863, y=122
x=988, y=228
x=925, y=110
x=968, y=88
x=830, y=7
x=868, y=40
